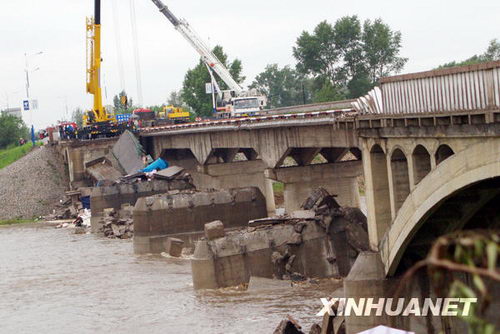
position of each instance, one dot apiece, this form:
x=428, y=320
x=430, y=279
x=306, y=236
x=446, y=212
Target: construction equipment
x=97, y=122
x=175, y=115
x=235, y=101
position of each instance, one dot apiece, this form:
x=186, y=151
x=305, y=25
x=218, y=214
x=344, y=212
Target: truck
x=234, y=102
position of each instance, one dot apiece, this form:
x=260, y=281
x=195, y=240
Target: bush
x=11, y=129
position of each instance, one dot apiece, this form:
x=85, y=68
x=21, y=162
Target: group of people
x=67, y=131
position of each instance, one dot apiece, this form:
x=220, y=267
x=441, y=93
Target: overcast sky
x=259, y=32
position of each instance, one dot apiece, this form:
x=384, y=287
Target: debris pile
x=118, y=224
x=170, y=174
x=322, y=240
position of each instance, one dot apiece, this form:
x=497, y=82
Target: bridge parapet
x=464, y=88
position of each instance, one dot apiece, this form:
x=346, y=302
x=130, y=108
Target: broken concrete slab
x=284, y=248
x=303, y=214
x=101, y=169
x=174, y=246
x=129, y=152
x=214, y=230
x=168, y=173
x=288, y=326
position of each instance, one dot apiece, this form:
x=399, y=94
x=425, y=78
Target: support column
x=236, y=175
x=338, y=179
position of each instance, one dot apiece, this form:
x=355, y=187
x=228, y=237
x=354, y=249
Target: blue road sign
x=26, y=105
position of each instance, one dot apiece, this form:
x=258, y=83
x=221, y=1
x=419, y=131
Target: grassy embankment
x=15, y=221
x=13, y=153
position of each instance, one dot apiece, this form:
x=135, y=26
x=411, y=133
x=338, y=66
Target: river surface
x=53, y=281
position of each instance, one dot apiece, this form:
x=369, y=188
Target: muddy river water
x=53, y=281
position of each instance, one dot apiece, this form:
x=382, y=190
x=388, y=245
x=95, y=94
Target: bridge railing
x=464, y=88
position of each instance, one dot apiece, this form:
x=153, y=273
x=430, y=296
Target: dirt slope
x=32, y=185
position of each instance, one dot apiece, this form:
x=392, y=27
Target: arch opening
x=400, y=178
x=471, y=207
x=443, y=152
x=421, y=163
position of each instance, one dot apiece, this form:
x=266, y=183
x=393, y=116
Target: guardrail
x=465, y=88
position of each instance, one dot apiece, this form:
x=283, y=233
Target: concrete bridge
x=418, y=139
x=426, y=144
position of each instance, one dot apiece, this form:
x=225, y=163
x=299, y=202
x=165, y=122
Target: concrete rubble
x=288, y=326
x=118, y=223
x=322, y=240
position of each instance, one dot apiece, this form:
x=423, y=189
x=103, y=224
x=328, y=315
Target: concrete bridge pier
x=340, y=178
x=236, y=174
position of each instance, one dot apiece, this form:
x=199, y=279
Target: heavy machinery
x=97, y=122
x=175, y=115
x=236, y=101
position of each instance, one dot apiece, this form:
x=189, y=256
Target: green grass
x=11, y=154
x=278, y=187
x=15, y=221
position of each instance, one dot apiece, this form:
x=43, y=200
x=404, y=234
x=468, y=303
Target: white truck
x=236, y=101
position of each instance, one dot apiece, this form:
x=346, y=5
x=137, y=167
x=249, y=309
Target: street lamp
x=27, y=70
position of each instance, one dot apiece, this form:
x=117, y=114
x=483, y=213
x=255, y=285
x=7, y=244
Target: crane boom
x=206, y=54
x=94, y=60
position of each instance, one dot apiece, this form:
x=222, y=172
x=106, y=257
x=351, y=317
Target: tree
x=493, y=51
x=193, y=91
x=283, y=86
x=347, y=57
x=11, y=129
x=491, y=54
x=381, y=48
x=175, y=98
x=77, y=117
x=121, y=108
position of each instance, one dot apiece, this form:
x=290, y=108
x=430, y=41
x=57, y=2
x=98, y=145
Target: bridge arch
x=421, y=163
x=473, y=165
x=442, y=153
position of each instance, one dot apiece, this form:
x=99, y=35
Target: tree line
x=334, y=61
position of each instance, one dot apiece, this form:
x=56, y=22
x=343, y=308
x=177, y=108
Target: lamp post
x=27, y=71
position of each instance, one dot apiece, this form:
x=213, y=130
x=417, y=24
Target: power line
x=136, y=51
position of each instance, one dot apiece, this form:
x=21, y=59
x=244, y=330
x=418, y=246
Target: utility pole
x=30, y=108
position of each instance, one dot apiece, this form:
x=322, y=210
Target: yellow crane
x=97, y=121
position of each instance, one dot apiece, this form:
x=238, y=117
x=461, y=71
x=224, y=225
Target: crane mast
x=97, y=113
x=206, y=54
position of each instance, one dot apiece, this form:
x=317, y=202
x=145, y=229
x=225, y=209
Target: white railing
x=466, y=88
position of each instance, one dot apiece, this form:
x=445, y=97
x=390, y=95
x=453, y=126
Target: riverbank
x=10, y=222
x=32, y=185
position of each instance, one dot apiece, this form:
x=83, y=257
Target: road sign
x=26, y=105
x=208, y=88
